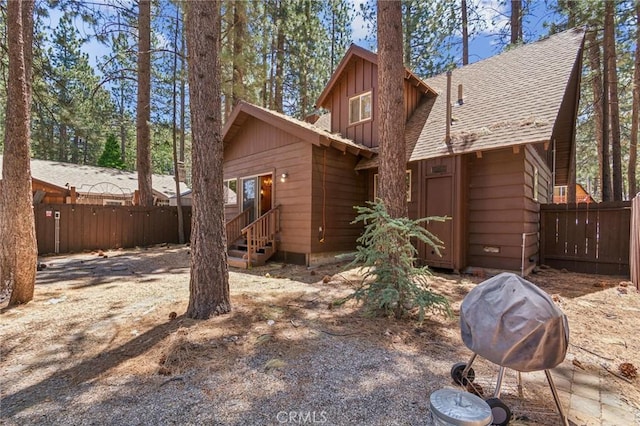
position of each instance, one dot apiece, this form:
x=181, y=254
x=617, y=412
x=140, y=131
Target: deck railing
x=262, y=232
x=235, y=227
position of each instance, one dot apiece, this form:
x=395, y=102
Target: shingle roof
x=509, y=99
x=322, y=136
x=85, y=177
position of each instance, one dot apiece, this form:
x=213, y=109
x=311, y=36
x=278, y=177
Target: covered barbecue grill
x=512, y=323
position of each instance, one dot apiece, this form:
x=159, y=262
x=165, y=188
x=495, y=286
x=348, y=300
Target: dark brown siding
x=440, y=190
x=258, y=149
x=498, y=211
x=588, y=238
x=360, y=77
x=53, y=194
x=336, y=189
x=88, y=227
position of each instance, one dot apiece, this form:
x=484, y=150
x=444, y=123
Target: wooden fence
x=70, y=228
x=590, y=238
x=634, y=255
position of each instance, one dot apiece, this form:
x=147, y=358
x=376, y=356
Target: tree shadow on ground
x=88, y=369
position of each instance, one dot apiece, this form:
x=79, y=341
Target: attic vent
x=460, y=98
x=441, y=168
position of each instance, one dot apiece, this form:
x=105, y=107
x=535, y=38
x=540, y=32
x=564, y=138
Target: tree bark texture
x=143, y=110
x=633, y=143
x=393, y=162
x=209, y=286
x=239, y=36
x=17, y=224
x=278, y=100
x=465, y=32
x=614, y=109
x=593, y=52
x=516, y=21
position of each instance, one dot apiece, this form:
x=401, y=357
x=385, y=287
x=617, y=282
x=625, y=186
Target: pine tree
x=111, y=155
x=392, y=283
x=18, y=247
x=209, y=285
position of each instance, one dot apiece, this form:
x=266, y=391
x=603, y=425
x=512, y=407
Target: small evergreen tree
x=392, y=283
x=111, y=155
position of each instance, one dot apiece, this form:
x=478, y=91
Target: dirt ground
x=100, y=321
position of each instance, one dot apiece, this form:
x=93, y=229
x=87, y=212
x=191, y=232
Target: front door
x=257, y=195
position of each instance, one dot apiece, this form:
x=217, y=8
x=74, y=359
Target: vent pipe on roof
x=460, y=99
x=447, y=137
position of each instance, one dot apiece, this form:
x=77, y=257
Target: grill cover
x=512, y=323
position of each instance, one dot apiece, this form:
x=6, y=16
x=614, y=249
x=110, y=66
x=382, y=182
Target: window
x=375, y=186
x=231, y=191
x=110, y=202
x=360, y=108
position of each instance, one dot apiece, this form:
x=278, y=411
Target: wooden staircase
x=252, y=244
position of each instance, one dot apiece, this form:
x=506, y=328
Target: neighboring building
x=560, y=194
x=67, y=183
x=512, y=120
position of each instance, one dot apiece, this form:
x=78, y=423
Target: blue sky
x=485, y=44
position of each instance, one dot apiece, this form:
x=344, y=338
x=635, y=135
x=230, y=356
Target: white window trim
x=359, y=98
x=409, y=182
x=226, y=184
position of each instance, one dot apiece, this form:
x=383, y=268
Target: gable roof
x=65, y=175
x=522, y=96
x=299, y=128
x=356, y=51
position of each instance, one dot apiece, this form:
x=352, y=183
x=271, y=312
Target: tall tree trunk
x=593, y=53
x=606, y=130
x=516, y=21
x=19, y=254
x=62, y=153
x=209, y=285
x=239, y=31
x=174, y=101
x=278, y=103
x=123, y=128
x=183, y=95
x=614, y=109
x=407, y=33
x=465, y=32
x=393, y=162
x=143, y=110
x=633, y=143
x=571, y=13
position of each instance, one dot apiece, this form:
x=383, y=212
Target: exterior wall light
x=284, y=176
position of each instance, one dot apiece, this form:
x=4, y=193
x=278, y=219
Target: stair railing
x=262, y=232
x=235, y=227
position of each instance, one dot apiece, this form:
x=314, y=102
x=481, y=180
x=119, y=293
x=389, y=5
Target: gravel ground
x=101, y=344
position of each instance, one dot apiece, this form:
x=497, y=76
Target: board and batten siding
x=336, y=189
x=259, y=148
x=361, y=76
x=502, y=208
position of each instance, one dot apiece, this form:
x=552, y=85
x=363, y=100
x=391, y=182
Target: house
x=582, y=196
x=67, y=183
x=487, y=161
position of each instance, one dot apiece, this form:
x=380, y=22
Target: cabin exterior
x=54, y=182
x=273, y=163
x=487, y=162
